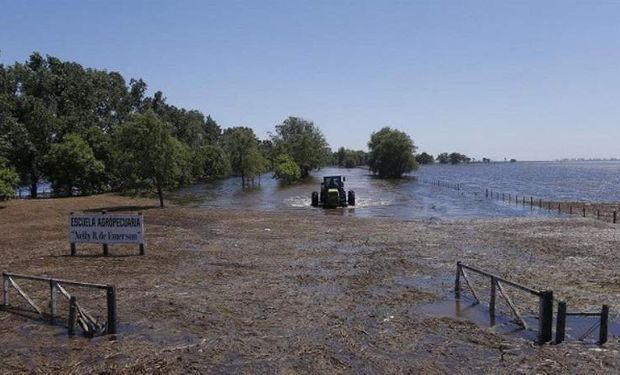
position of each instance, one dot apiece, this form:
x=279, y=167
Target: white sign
x=105, y=228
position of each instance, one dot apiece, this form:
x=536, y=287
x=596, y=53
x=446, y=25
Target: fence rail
x=77, y=313
x=560, y=330
x=545, y=297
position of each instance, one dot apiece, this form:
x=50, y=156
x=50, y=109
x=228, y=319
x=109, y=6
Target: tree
x=211, y=161
x=304, y=142
x=70, y=164
x=9, y=181
x=285, y=169
x=245, y=158
x=443, y=158
x=425, y=158
x=456, y=158
x=391, y=153
x=149, y=155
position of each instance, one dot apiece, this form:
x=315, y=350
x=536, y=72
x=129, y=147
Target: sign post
x=106, y=229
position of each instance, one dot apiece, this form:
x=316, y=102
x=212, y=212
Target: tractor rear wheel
x=315, y=199
x=351, y=198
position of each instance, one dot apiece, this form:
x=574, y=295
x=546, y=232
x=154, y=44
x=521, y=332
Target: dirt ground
x=225, y=291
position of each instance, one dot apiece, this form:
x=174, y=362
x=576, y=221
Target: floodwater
x=412, y=197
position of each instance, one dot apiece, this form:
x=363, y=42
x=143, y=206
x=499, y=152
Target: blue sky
x=533, y=80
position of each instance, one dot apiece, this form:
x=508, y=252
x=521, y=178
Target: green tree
x=9, y=181
x=149, y=155
x=391, y=153
x=425, y=158
x=72, y=163
x=304, y=142
x=245, y=158
x=456, y=158
x=286, y=169
x=211, y=161
x=443, y=158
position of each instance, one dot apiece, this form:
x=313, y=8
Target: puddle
x=577, y=327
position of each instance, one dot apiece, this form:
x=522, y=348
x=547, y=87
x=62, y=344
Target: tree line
x=443, y=158
x=88, y=131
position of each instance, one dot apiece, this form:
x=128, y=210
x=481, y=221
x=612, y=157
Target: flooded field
x=412, y=198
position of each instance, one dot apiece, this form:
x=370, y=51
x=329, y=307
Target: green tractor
x=332, y=194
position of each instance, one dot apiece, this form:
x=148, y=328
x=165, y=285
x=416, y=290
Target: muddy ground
x=225, y=291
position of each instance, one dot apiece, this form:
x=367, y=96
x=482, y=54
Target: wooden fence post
x=111, y=302
x=72, y=316
x=142, y=243
x=604, y=322
x=559, y=208
x=545, y=319
x=560, y=328
x=72, y=243
x=493, y=294
x=584, y=211
x=457, y=281
x=5, y=290
x=105, y=245
x=52, y=301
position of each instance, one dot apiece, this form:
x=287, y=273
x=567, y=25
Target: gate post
x=111, y=302
x=545, y=317
x=604, y=321
x=457, y=281
x=560, y=327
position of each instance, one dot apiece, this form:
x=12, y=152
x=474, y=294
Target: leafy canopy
x=391, y=153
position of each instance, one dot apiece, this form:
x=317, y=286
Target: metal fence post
x=560, y=328
x=111, y=302
x=545, y=317
x=604, y=322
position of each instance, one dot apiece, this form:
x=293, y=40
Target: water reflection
x=406, y=198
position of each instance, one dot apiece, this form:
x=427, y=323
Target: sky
x=531, y=80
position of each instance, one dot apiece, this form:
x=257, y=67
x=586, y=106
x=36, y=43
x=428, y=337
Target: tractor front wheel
x=315, y=199
x=351, y=198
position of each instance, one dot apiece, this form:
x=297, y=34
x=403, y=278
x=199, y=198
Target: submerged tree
x=304, y=142
x=245, y=158
x=425, y=158
x=285, y=169
x=391, y=153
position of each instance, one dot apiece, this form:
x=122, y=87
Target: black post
x=111, y=302
x=457, y=281
x=559, y=207
x=560, y=328
x=141, y=244
x=570, y=210
x=545, y=319
x=72, y=244
x=487, y=193
x=584, y=211
x=615, y=217
x=531, y=202
x=105, y=245
x=72, y=316
x=604, y=322
x=492, y=299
